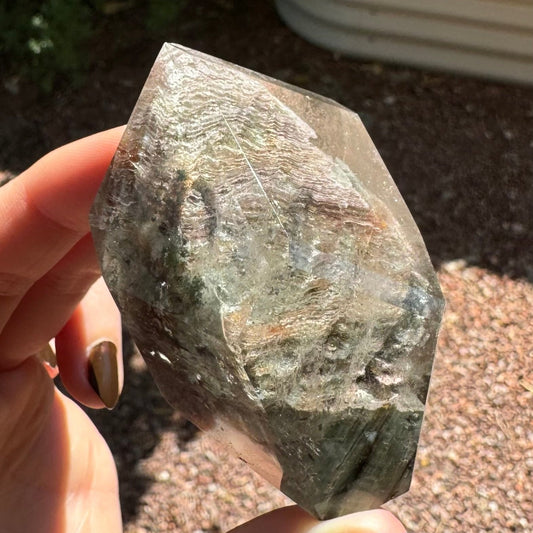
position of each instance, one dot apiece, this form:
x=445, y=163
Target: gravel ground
x=461, y=152
x=474, y=469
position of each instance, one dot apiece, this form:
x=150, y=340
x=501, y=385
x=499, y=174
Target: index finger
x=44, y=212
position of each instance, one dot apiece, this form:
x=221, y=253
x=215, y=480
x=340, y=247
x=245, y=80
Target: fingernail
x=47, y=355
x=103, y=372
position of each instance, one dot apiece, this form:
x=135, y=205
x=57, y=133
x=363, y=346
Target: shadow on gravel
x=461, y=153
x=134, y=429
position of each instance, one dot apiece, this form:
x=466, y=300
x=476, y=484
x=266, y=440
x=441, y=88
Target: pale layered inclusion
x=273, y=278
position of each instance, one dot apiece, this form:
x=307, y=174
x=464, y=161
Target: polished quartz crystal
x=273, y=279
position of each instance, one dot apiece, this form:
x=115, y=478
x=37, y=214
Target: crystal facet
x=273, y=279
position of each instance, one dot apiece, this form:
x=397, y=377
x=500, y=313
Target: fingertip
x=373, y=521
x=292, y=519
x=89, y=350
x=295, y=520
x=47, y=356
x=63, y=183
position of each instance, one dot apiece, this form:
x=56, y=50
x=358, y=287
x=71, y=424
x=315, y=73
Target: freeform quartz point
x=273, y=279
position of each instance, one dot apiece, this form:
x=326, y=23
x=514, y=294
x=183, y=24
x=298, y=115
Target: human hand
x=56, y=472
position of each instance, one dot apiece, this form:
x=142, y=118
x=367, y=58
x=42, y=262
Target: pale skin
x=56, y=472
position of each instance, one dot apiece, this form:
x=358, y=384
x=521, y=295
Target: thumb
x=295, y=520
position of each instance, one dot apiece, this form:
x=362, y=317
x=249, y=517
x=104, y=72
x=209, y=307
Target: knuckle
x=72, y=284
x=13, y=284
x=50, y=219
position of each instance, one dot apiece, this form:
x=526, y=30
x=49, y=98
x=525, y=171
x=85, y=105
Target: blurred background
x=461, y=152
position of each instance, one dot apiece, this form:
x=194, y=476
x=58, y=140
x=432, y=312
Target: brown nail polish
x=103, y=372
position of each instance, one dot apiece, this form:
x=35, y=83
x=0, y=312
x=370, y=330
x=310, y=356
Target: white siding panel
x=481, y=37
